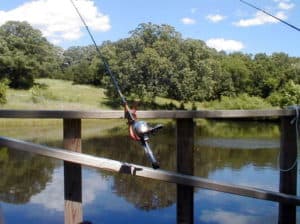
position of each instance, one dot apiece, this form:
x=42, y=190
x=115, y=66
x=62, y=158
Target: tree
x=156, y=61
x=236, y=67
x=287, y=96
x=26, y=54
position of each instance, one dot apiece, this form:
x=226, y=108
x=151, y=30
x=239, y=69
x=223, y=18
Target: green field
x=54, y=94
x=63, y=95
x=57, y=95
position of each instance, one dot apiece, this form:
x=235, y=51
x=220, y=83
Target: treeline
x=153, y=61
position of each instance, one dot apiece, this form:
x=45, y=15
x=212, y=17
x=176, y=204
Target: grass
x=52, y=129
x=55, y=95
x=52, y=94
x=58, y=95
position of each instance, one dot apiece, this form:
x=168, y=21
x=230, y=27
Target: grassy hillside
x=57, y=94
x=53, y=94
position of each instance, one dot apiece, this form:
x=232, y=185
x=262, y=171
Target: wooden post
x=288, y=173
x=185, y=165
x=72, y=173
x=1, y=216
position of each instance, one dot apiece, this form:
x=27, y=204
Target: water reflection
x=143, y=194
x=23, y=175
x=236, y=153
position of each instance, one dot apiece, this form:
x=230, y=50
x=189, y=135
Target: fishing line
x=269, y=14
x=106, y=65
x=138, y=130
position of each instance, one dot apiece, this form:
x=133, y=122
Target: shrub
x=243, y=101
x=3, y=88
x=40, y=93
x=288, y=95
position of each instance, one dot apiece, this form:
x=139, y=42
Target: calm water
x=31, y=186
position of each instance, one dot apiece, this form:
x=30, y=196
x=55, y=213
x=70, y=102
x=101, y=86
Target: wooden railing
x=73, y=158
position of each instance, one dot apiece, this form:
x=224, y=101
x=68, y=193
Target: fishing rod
x=138, y=130
x=269, y=14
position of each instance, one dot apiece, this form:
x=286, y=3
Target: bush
x=243, y=101
x=289, y=95
x=3, y=89
x=40, y=93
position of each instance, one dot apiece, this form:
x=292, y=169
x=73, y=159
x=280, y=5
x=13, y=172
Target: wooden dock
x=186, y=182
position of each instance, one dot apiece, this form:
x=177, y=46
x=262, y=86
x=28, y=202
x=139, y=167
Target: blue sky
x=223, y=24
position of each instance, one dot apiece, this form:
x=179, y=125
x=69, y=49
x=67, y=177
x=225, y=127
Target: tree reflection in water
x=23, y=175
x=147, y=194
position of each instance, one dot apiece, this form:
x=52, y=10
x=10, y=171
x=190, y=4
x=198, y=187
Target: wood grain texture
x=72, y=172
x=288, y=175
x=165, y=114
x=185, y=165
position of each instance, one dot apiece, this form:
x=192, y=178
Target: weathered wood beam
x=288, y=168
x=171, y=114
x=72, y=173
x=185, y=165
x=146, y=172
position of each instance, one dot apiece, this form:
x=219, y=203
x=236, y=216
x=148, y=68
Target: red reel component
x=132, y=133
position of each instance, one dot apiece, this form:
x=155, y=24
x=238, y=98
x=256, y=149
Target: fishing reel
x=140, y=131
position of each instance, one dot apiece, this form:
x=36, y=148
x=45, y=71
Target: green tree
x=287, y=96
x=156, y=61
x=26, y=54
x=236, y=68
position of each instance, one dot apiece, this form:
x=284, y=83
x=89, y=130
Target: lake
x=244, y=153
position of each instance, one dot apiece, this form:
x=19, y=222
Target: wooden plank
x=72, y=173
x=215, y=113
x=1, y=216
x=146, y=172
x=185, y=165
x=288, y=166
x=61, y=114
x=171, y=114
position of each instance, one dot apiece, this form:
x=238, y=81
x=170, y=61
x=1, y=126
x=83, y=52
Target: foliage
x=3, y=90
x=40, y=93
x=289, y=95
x=154, y=61
x=26, y=54
x=242, y=102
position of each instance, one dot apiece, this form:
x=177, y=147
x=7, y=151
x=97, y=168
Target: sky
x=227, y=25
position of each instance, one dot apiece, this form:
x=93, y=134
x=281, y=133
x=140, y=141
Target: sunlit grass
x=52, y=129
x=58, y=95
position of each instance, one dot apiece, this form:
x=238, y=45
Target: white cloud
x=57, y=19
x=188, y=21
x=285, y=5
x=260, y=18
x=224, y=217
x=215, y=18
x=52, y=199
x=226, y=45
